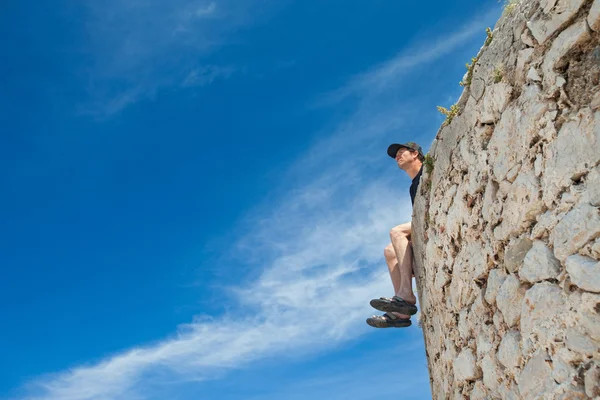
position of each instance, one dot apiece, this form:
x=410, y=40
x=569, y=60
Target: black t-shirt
x=414, y=185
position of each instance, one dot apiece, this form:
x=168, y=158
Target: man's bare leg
x=392, y=262
x=400, y=242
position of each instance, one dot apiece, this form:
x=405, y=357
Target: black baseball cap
x=393, y=148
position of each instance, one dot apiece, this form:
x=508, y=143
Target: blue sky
x=196, y=196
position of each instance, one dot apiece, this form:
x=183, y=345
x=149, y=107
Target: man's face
x=405, y=157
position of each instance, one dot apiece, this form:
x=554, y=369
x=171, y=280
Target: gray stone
x=561, y=371
x=521, y=206
x=579, y=226
x=574, y=35
x=491, y=372
x=593, y=18
x=592, y=381
x=572, y=154
x=523, y=59
x=589, y=319
x=533, y=75
x=495, y=100
x=592, y=186
x=539, y=264
x=465, y=367
x=581, y=343
x=509, y=299
x=509, y=391
x=518, y=126
x=479, y=392
x=545, y=27
x=495, y=280
x=477, y=88
x=509, y=351
x=515, y=253
x=543, y=310
x=536, y=377
x=584, y=272
x=545, y=222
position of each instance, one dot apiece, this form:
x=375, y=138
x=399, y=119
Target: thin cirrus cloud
x=387, y=76
x=135, y=49
x=319, y=245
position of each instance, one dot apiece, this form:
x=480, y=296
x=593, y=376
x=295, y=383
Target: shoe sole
x=378, y=324
x=387, y=306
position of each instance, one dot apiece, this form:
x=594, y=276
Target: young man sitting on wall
x=398, y=254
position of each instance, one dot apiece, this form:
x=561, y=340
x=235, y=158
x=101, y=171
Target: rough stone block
x=589, y=319
x=522, y=205
x=491, y=372
x=584, y=272
x=539, y=264
x=572, y=36
x=509, y=299
x=495, y=280
x=578, y=227
x=515, y=253
x=572, y=154
x=536, y=377
x=543, y=310
x=557, y=17
x=465, y=367
x=509, y=351
x=581, y=343
x=593, y=18
x=592, y=381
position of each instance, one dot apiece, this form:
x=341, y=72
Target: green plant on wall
x=490, y=36
x=510, y=5
x=470, y=67
x=428, y=163
x=449, y=113
x=498, y=73
x=469, y=77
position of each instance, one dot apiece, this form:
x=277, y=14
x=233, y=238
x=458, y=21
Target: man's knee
x=400, y=232
x=389, y=252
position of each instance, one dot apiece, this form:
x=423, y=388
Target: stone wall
x=507, y=224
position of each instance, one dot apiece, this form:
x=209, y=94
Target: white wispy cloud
x=320, y=247
x=386, y=76
x=136, y=49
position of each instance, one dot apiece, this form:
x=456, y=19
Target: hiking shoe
x=395, y=304
x=388, y=321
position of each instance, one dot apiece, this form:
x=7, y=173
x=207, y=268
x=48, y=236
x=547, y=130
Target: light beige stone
x=584, y=272
x=543, y=310
x=539, y=264
x=574, y=35
x=589, y=319
x=592, y=186
x=509, y=298
x=581, y=343
x=573, y=154
x=494, y=101
x=515, y=253
x=523, y=58
x=522, y=205
x=561, y=371
x=465, y=367
x=533, y=75
x=593, y=18
x=536, y=377
x=495, y=280
x=558, y=16
x=491, y=372
x=592, y=381
x=509, y=351
x=578, y=227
